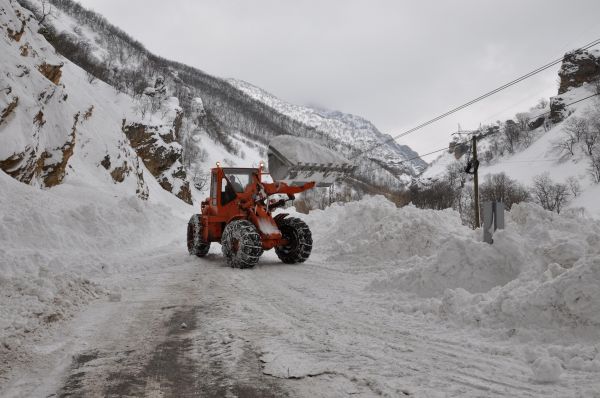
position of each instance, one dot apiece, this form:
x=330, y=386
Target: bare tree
x=573, y=131
x=46, y=10
x=542, y=103
x=576, y=127
x=574, y=186
x=455, y=174
x=436, y=195
x=501, y=188
x=512, y=135
x=591, y=139
x=548, y=194
x=523, y=120
x=594, y=168
x=565, y=145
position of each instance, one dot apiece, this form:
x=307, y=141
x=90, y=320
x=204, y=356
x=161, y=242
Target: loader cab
x=227, y=183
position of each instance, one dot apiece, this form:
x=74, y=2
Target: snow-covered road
x=190, y=327
x=100, y=298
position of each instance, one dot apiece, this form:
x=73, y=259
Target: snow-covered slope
x=59, y=126
x=54, y=241
x=80, y=193
x=345, y=128
x=239, y=116
x=539, y=152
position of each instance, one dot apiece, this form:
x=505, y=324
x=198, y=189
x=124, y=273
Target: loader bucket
x=296, y=161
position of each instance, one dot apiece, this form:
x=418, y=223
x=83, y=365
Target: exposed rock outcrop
x=539, y=122
x=6, y=112
x=16, y=34
x=106, y=162
x=49, y=166
x=126, y=162
x=119, y=173
x=51, y=72
x=578, y=67
x=557, y=109
x=53, y=169
x=161, y=156
x=21, y=166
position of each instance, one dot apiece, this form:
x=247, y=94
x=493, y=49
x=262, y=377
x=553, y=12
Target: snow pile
x=54, y=242
x=558, y=287
x=374, y=231
x=546, y=370
x=542, y=271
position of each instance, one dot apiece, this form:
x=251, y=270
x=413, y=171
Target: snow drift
x=543, y=270
x=54, y=242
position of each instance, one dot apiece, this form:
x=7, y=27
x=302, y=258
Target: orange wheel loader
x=239, y=211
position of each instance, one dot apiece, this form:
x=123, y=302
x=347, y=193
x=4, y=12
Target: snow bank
x=52, y=243
x=546, y=370
x=374, y=230
x=558, y=288
x=543, y=270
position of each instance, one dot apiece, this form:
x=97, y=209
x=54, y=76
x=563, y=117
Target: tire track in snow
x=168, y=337
x=305, y=300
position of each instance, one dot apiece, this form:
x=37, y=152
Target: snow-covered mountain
x=58, y=126
x=344, y=128
x=544, y=138
x=237, y=116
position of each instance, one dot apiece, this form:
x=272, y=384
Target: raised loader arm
x=273, y=188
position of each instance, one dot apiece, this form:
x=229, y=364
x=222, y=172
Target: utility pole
x=476, y=181
x=472, y=168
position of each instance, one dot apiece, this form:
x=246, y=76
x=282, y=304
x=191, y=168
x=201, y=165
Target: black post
x=476, y=182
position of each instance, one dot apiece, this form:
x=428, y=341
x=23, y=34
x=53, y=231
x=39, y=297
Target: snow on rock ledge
x=161, y=155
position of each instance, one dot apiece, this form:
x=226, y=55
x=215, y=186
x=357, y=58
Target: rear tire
x=297, y=233
x=241, y=244
x=196, y=246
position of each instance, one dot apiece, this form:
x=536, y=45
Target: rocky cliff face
x=58, y=125
x=579, y=68
x=30, y=89
x=161, y=154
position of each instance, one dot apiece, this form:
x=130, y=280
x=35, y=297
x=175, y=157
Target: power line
x=569, y=104
x=475, y=100
x=453, y=145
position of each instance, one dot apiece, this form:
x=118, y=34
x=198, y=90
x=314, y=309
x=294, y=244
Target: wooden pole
x=476, y=182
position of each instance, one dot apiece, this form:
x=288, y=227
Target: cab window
x=228, y=193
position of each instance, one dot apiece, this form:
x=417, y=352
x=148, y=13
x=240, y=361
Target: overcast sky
x=396, y=63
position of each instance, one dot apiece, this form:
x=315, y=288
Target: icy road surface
x=194, y=327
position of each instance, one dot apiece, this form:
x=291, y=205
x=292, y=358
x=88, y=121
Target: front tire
x=196, y=246
x=299, y=238
x=241, y=244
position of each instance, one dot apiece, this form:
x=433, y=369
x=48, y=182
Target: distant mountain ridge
x=360, y=133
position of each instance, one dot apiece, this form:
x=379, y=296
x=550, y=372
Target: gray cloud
x=397, y=63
